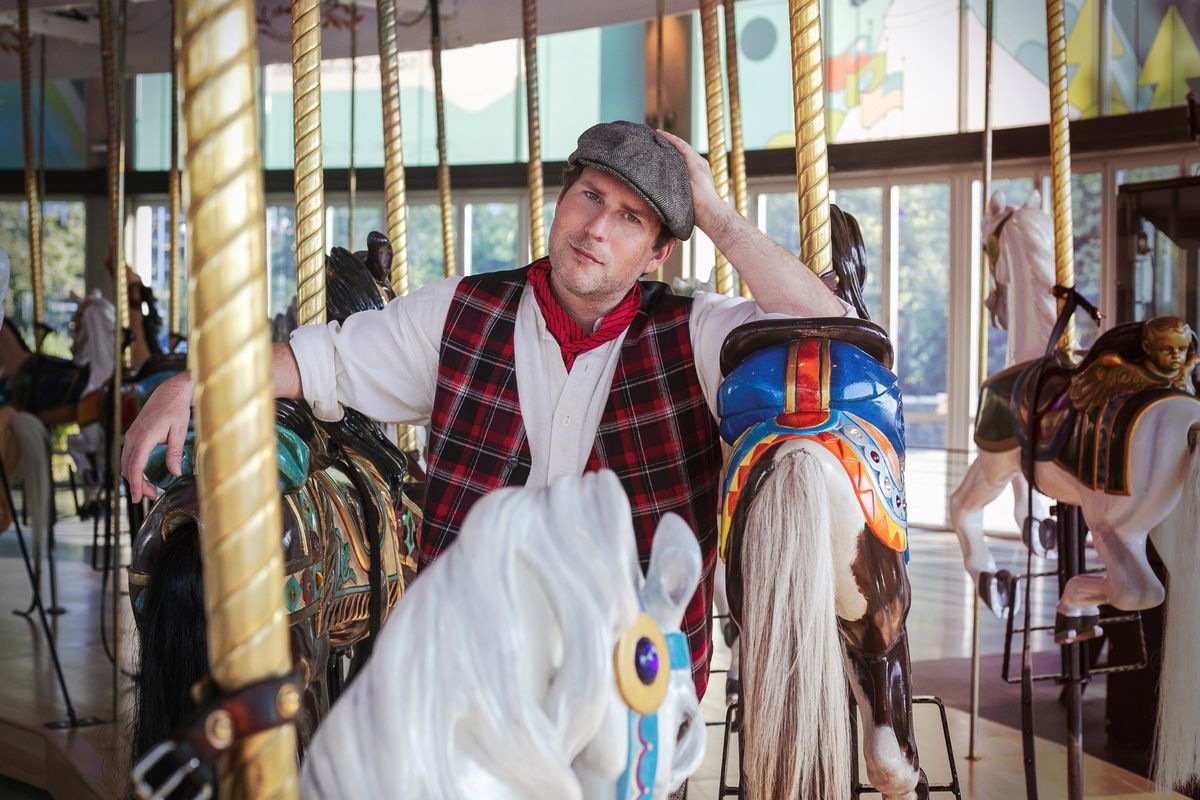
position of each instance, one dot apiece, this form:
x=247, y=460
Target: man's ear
x=659, y=256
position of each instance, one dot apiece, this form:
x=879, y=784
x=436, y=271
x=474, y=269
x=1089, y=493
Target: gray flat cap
x=636, y=154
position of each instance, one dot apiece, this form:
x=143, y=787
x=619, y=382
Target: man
x=564, y=366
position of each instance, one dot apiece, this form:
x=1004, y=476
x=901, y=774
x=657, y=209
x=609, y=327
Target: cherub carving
x=1168, y=364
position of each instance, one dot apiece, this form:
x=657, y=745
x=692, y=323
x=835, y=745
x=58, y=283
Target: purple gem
x=645, y=658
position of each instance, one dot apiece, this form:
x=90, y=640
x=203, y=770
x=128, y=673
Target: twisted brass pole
x=812, y=166
x=737, y=146
x=309, y=175
x=393, y=147
x=234, y=404
x=31, y=186
x=717, y=158
x=537, y=227
x=352, y=194
x=1060, y=157
x=443, y=165
x=173, y=193
x=658, y=69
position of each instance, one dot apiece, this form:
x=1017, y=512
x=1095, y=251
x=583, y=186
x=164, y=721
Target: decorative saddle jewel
x=829, y=392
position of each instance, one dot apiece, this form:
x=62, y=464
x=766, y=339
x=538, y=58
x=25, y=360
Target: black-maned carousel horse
x=349, y=542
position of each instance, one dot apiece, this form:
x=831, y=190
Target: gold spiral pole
x=537, y=226
x=31, y=185
x=713, y=89
x=1060, y=158
x=393, y=144
x=173, y=195
x=737, y=146
x=309, y=175
x=234, y=404
x=443, y=165
x=812, y=165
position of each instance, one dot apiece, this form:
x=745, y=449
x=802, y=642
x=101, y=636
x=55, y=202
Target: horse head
x=1019, y=247
x=546, y=665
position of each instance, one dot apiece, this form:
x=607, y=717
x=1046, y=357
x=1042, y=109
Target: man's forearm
x=285, y=372
x=780, y=282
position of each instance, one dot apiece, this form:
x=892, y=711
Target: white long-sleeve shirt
x=384, y=363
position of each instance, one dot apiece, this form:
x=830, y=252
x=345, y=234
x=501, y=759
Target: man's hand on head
x=707, y=202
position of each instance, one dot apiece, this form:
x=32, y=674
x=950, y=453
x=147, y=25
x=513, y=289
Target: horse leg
x=877, y=651
x=981, y=485
x=1128, y=583
x=1033, y=520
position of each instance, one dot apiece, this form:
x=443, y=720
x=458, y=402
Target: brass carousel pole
x=393, y=148
x=537, y=227
x=309, y=174
x=443, y=165
x=113, y=69
x=717, y=158
x=812, y=166
x=1060, y=159
x=31, y=185
x=352, y=194
x=173, y=197
x=737, y=147
x=234, y=401
x=976, y=622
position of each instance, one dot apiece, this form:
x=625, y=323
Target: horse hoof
x=1040, y=536
x=1071, y=630
x=996, y=591
x=733, y=691
x=729, y=632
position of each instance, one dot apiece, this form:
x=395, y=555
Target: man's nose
x=597, y=227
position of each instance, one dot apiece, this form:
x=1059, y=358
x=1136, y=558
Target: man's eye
x=632, y=218
x=590, y=195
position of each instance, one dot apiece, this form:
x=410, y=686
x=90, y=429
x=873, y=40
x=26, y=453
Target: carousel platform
x=91, y=762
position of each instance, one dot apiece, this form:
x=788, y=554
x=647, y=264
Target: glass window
x=281, y=258
x=425, y=251
x=1154, y=55
x=1087, y=206
x=62, y=267
x=66, y=123
x=1160, y=279
x=924, y=284
x=367, y=217
x=492, y=232
x=151, y=258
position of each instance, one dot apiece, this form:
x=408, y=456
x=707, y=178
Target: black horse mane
x=16, y=332
x=849, y=259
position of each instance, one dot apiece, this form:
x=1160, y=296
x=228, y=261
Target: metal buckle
x=166, y=754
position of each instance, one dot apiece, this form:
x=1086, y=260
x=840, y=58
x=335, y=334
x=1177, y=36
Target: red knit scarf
x=571, y=338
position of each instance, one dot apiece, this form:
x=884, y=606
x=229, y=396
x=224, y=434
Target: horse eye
x=643, y=665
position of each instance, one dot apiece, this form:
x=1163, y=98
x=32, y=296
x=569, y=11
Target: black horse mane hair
x=180, y=654
x=849, y=259
x=349, y=285
x=12, y=326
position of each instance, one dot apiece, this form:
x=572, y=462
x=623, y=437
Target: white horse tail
x=796, y=734
x=34, y=441
x=1177, y=740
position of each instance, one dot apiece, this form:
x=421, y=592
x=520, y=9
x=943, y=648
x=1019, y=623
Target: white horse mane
x=495, y=689
x=1026, y=268
x=95, y=339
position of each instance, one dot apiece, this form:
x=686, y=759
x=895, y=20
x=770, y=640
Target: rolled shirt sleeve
x=382, y=363
x=714, y=316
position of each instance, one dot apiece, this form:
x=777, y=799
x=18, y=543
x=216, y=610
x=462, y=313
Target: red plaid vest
x=656, y=432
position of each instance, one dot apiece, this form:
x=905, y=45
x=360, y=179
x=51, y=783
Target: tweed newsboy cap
x=636, y=154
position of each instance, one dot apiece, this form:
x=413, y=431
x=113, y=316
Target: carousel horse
x=349, y=541
x=814, y=538
x=1117, y=436
x=546, y=666
x=1019, y=246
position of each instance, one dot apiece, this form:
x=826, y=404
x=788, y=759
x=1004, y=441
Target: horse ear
x=674, y=571
x=997, y=203
x=1034, y=200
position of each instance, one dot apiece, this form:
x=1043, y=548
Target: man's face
x=602, y=238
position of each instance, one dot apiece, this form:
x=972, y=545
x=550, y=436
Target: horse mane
x=11, y=327
x=849, y=259
x=546, y=577
x=349, y=286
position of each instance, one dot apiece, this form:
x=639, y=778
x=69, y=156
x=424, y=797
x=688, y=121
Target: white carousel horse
x=529, y=662
x=1019, y=246
x=1153, y=493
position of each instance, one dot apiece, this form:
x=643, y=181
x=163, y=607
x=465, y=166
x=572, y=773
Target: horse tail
x=1177, y=739
x=796, y=735
x=174, y=641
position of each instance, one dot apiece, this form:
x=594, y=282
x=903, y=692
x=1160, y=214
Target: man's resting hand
x=164, y=418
